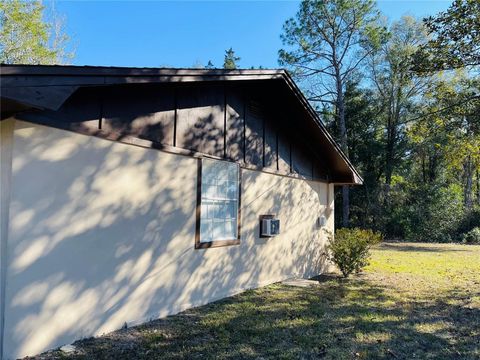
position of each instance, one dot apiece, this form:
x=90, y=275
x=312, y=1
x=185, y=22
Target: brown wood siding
x=320, y=170
x=270, y=152
x=254, y=125
x=239, y=123
x=284, y=153
x=200, y=119
x=302, y=160
x=146, y=112
x=235, y=125
x=32, y=91
x=81, y=110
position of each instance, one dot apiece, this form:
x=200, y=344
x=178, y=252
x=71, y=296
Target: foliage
x=450, y=140
x=396, y=89
x=472, y=237
x=425, y=212
x=366, y=150
x=26, y=38
x=325, y=43
x=230, y=61
x=416, y=141
x=470, y=220
x=414, y=137
x=349, y=249
x=455, y=38
x=210, y=65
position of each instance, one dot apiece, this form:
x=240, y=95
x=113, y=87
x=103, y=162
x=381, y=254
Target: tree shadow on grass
x=416, y=248
x=335, y=319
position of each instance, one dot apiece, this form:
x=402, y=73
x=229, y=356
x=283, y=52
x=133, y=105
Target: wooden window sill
x=217, y=243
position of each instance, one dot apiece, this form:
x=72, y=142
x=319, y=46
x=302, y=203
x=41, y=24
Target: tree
x=397, y=89
x=455, y=41
x=446, y=136
x=434, y=201
x=462, y=128
x=210, y=65
x=231, y=59
x=325, y=46
x=198, y=64
x=366, y=151
x=26, y=38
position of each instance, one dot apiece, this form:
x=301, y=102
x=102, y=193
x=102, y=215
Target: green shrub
x=472, y=237
x=470, y=220
x=438, y=215
x=349, y=249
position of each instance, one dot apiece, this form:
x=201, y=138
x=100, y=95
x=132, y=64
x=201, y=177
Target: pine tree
x=210, y=65
x=325, y=44
x=231, y=59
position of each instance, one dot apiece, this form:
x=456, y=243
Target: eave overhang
x=47, y=87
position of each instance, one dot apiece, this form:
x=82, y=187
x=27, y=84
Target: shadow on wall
x=102, y=233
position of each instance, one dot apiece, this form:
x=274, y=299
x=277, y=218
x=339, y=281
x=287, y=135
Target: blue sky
x=182, y=34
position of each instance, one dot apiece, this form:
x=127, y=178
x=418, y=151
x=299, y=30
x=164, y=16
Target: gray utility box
x=269, y=226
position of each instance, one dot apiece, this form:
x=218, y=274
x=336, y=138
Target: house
x=129, y=194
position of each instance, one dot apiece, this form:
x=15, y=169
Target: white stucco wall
x=6, y=146
x=102, y=233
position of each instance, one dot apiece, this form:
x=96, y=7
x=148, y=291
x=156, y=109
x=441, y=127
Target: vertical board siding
x=200, y=119
x=146, y=112
x=284, y=159
x=254, y=123
x=301, y=160
x=270, y=152
x=235, y=118
x=235, y=122
x=320, y=171
x=83, y=109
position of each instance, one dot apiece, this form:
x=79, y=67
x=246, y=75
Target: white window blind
x=219, y=201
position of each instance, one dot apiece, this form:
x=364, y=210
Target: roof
x=49, y=86
x=74, y=70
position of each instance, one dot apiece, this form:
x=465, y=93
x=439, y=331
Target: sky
x=186, y=34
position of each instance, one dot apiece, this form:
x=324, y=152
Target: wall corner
x=6, y=147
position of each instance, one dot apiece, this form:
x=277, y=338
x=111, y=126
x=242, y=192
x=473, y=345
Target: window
x=217, y=204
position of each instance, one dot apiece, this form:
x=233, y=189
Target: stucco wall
x=102, y=233
x=6, y=145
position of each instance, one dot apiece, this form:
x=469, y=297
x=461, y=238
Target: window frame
x=215, y=243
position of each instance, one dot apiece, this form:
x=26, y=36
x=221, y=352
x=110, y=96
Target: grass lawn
x=414, y=301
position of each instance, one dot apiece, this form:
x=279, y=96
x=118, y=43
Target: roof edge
x=76, y=70
x=356, y=178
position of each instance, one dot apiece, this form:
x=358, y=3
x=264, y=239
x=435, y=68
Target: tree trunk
x=393, y=120
x=467, y=191
x=346, y=205
x=478, y=187
x=342, y=126
x=432, y=167
x=389, y=156
x=424, y=171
